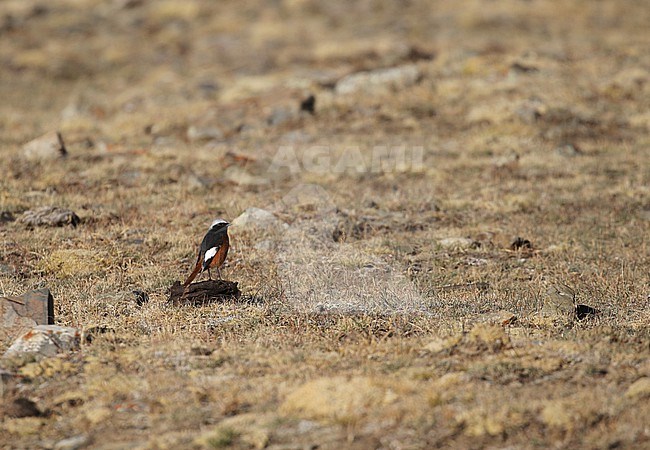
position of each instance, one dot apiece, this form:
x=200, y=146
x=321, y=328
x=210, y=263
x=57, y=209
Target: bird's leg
x=219, y=272
x=209, y=274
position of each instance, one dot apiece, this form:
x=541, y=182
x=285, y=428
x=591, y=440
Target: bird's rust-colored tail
x=194, y=273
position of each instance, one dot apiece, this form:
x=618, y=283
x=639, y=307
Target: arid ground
x=390, y=304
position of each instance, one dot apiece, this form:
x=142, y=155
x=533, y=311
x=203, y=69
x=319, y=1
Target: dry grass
x=358, y=327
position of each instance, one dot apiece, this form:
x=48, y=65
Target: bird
x=212, y=251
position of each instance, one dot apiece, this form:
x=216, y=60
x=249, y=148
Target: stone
x=255, y=219
x=203, y=133
x=639, y=389
x=242, y=177
x=308, y=104
x=281, y=115
x=19, y=314
x=45, y=340
x=50, y=146
x=6, y=216
x=530, y=110
x=502, y=318
x=520, y=243
x=140, y=297
x=568, y=150
x=13, y=324
x=72, y=443
x=585, y=312
x=21, y=407
x=392, y=79
x=37, y=304
x=559, y=302
x=49, y=216
x=458, y=243
x=204, y=292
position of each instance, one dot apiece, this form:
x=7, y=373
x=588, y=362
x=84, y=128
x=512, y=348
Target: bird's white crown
x=219, y=222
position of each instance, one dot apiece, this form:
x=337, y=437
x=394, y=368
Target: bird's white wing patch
x=210, y=253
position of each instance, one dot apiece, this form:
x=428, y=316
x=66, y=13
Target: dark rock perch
x=202, y=293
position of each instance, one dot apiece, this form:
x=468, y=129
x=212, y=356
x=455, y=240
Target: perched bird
x=213, y=250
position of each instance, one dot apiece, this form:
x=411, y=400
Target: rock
x=242, y=177
x=520, y=243
x=18, y=314
x=256, y=219
x=49, y=216
x=140, y=297
x=72, y=443
x=13, y=324
x=501, y=318
x=584, y=312
x=45, y=340
x=267, y=245
x=559, y=302
x=568, y=150
x=196, y=182
x=530, y=110
x=6, y=216
x=21, y=407
x=639, y=389
x=50, y=146
x=308, y=104
x=471, y=261
x=37, y=304
x=392, y=79
x=336, y=398
x=458, y=243
x=203, y=133
x=204, y=292
x=280, y=115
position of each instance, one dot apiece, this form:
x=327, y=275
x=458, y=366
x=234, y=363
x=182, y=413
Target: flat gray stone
x=47, y=147
x=49, y=216
x=256, y=219
x=72, y=443
x=45, y=341
x=374, y=81
x=20, y=313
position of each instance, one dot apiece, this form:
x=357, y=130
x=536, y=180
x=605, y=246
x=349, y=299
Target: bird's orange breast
x=220, y=257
